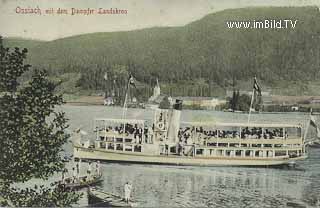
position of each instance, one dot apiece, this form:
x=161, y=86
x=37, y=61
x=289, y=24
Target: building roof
x=194, y=98
x=229, y=93
x=109, y=98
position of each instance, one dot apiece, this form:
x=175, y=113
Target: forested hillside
x=199, y=59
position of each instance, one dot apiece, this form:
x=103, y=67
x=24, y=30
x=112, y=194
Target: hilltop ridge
x=201, y=58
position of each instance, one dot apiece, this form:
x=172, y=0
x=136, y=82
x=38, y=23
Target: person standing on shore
x=127, y=192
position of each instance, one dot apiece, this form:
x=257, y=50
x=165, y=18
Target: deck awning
x=121, y=121
x=243, y=125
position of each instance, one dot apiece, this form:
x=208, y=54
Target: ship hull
x=112, y=156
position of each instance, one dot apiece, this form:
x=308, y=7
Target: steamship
x=171, y=142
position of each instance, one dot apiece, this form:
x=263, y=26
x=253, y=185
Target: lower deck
x=136, y=157
x=224, y=149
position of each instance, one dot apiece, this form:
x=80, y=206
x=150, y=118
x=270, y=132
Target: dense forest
x=202, y=58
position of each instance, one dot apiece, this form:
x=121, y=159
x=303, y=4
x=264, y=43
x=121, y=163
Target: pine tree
x=32, y=133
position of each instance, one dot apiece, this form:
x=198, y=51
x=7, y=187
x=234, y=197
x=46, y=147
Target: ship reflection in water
x=172, y=186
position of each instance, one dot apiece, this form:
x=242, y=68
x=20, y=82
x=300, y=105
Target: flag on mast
x=314, y=124
x=256, y=86
x=131, y=81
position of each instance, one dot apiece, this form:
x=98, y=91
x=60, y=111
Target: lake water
x=171, y=186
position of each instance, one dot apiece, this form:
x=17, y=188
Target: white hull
x=113, y=156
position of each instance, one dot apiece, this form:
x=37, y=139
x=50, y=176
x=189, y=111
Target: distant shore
x=96, y=100
x=85, y=100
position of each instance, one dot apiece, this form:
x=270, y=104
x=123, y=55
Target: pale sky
x=141, y=14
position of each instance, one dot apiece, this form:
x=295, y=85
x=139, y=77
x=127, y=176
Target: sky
x=140, y=14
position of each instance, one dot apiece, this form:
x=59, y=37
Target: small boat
x=100, y=198
x=82, y=182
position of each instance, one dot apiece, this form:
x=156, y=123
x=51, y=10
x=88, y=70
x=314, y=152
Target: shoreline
x=99, y=101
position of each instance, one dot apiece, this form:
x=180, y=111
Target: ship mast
x=256, y=88
x=124, y=109
x=250, y=108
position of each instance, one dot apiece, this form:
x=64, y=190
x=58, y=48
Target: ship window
x=267, y=145
x=102, y=144
x=101, y=138
x=110, y=146
x=128, y=148
x=256, y=153
x=119, y=147
x=214, y=144
x=219, y=152
x=256, y=145
x=109, y=139
x=233, y=144
x=244, y=145
x=247, y=152
x=199, y=151
x=119, y=139
x=238, y=152
x=280, y=153
x=172, y=149
x=228, y=152
x=223, y=144
x=127, y=140
x=137, y=148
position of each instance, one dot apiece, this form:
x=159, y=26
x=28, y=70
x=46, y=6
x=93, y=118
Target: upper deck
x=242, y=125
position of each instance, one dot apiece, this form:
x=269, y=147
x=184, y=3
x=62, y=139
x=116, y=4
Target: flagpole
x=124, y=110
x=251, y=103
x=307, y=127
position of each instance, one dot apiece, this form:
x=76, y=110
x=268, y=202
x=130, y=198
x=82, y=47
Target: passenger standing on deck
x=64, y=175
x=150, y=134
x=74, y=174
x=78, y=170
x=98, y=168
x=127, y=192
x=89, y=170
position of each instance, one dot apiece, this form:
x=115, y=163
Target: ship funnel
x=174, y=122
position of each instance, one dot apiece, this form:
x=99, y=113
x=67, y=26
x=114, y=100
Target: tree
x=31, y=134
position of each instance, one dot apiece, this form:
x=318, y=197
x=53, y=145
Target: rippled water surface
x=172, y=186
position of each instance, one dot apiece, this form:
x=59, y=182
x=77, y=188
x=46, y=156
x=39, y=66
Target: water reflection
x=218, y=187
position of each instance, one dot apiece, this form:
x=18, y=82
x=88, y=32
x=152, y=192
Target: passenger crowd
x=246, y=133
x=135, y=130
x=184, y=134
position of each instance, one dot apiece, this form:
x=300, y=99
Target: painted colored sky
x=141, y=14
